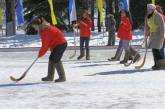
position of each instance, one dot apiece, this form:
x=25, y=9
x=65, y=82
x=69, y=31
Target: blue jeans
x=84, y=40
x=123, y=45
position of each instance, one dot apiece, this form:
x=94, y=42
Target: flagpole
x=128, y=1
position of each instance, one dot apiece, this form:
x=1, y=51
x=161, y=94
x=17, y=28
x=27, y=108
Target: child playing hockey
x=52, y=38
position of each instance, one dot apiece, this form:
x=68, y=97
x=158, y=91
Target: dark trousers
x=162, y=50
x=57, y=53
x=84, y=40
x=111, y=37
x=157, y=55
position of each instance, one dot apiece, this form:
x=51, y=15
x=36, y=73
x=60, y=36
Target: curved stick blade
x=24, y=74
x=13, y=79
x=18, y=79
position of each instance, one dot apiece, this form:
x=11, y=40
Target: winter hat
x=110, y=16
x=151, y=6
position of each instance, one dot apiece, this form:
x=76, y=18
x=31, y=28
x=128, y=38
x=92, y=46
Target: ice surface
x=93, y=84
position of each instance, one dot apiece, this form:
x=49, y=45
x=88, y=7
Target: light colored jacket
x=156, y=28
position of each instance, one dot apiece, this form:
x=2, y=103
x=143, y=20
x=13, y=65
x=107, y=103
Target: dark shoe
x=108, y=45
x=159, y=64
x=130, y=58
x=137, y=58
x=82, y=54
x=60, y=80
x=87, y=58
x=60, y=71
x=47, y=79
x=113, y=59
x=156, y=67
x=123, y=61
x=87, y=55
x=126, y=57
x=50, y=75
x=80, y=57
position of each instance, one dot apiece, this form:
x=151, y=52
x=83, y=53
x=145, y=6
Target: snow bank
x=97, y=39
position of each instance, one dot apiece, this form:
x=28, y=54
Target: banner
x=19, y=12
x=153, y=1
x=1, y=14
x=72, y=11
x=53, y=17
x=123, y=4
x=100, y=8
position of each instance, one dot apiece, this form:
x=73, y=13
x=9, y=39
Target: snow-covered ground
x=97, y=39
x=93, y=84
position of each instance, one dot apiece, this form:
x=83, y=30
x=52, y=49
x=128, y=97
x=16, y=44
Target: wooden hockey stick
x=144, y=59
x=24, y=74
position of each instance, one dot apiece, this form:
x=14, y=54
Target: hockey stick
x=144, y=59
x=132, y=61
x=24, y=74
x=74, y=53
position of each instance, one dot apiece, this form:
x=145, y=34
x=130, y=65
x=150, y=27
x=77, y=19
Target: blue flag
x=123, y=4
x=19, y=12
x=72, y=10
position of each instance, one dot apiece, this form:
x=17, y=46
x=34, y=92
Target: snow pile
x=97, y=39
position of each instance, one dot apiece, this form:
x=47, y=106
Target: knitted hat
x=151, y=6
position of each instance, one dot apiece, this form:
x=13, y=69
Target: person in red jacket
x=84, y=25
x=125, y=34
x=52, y=38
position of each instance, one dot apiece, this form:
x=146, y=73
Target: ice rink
x=93, y=84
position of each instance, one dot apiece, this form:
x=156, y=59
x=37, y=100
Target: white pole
x=128, y=2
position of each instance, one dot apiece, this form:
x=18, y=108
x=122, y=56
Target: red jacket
x=50, y=37
x=85, y=27
x=125, y=29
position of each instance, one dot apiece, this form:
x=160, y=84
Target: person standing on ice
x=111, y=24
x=84, y=24
x=155, y=29
x=125, y=34
x=159, y=9
x=52, y=38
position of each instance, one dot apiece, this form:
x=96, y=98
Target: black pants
x=157, y=54
x=57, y=53
x=111, y=37
x=84, y=40
x=162, y=50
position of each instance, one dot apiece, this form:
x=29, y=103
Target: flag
x=4, y=20
x=1, y=16
x=153, y=1
x=72, y=11
x=123, y=4
x=19, y=12
x=100, y=8
x=53, y=17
